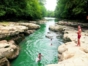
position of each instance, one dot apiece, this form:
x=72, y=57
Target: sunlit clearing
x=50, y=5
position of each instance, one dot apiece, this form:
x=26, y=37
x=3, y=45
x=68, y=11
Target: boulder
x=54, y=28
x=4, y=62
x=57, y=28
x=30, y=26
x=62, y=48
x=49, y=36
x=9, y=50
x=11, y=30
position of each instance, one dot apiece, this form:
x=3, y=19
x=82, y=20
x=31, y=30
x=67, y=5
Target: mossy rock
x=66, y=39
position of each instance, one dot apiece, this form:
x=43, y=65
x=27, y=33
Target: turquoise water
x=38, y=43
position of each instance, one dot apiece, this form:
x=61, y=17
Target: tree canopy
x=71, y=9
x=23, y=9
x=50, y=13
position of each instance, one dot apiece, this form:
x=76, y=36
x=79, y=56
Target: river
x=38, y=43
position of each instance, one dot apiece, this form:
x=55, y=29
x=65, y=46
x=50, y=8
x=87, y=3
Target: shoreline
x=70, y=54
x=11, y=35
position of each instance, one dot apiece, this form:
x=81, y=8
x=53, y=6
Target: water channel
x=39, y=43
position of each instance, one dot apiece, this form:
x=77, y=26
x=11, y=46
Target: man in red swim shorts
x=79, y=35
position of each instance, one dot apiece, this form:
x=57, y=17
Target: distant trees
x=43, y=9
x=23, y=9
x=50, y=13
x=71, y=9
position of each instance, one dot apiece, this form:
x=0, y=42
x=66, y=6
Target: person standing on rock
x=79, y=35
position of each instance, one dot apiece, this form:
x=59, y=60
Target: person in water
x=51, y=41
x=79, y=35
x=39, y=57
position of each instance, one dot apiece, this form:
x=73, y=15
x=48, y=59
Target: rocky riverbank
x=10, y=35
x=68, y=53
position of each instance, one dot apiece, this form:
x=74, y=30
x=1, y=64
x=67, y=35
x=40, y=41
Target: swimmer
x=39, y=57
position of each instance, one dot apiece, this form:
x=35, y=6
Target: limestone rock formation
x=11, y=34
x=69, y=53
x=30, y=26
x=8, y=49
x=56, y=28
x=17, y=28
x=11, y=30
x=73, y=56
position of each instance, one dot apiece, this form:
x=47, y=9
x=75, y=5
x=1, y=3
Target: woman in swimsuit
x=79, y=35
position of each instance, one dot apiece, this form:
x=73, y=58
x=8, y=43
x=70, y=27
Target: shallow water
x=38, y=43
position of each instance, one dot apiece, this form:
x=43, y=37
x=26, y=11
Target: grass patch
x=4, y=23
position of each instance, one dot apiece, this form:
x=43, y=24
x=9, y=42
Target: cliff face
x=69, y=53
x=10, y=35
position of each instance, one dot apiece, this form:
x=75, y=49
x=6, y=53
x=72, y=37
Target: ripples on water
x=38, y=43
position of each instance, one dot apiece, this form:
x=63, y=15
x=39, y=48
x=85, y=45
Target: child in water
x=39, y=57
x=51, y=40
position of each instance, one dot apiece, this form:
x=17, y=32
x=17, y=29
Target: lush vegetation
x=71, y=9
x=22, y=9
x=50, y=13
x=34, y=9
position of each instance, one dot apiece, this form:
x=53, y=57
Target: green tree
x=23, y=9
x=71, y=9
x=43, y=9
x=50, y=13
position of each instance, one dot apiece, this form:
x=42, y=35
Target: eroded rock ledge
x=10, y=36
x=69, y=54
